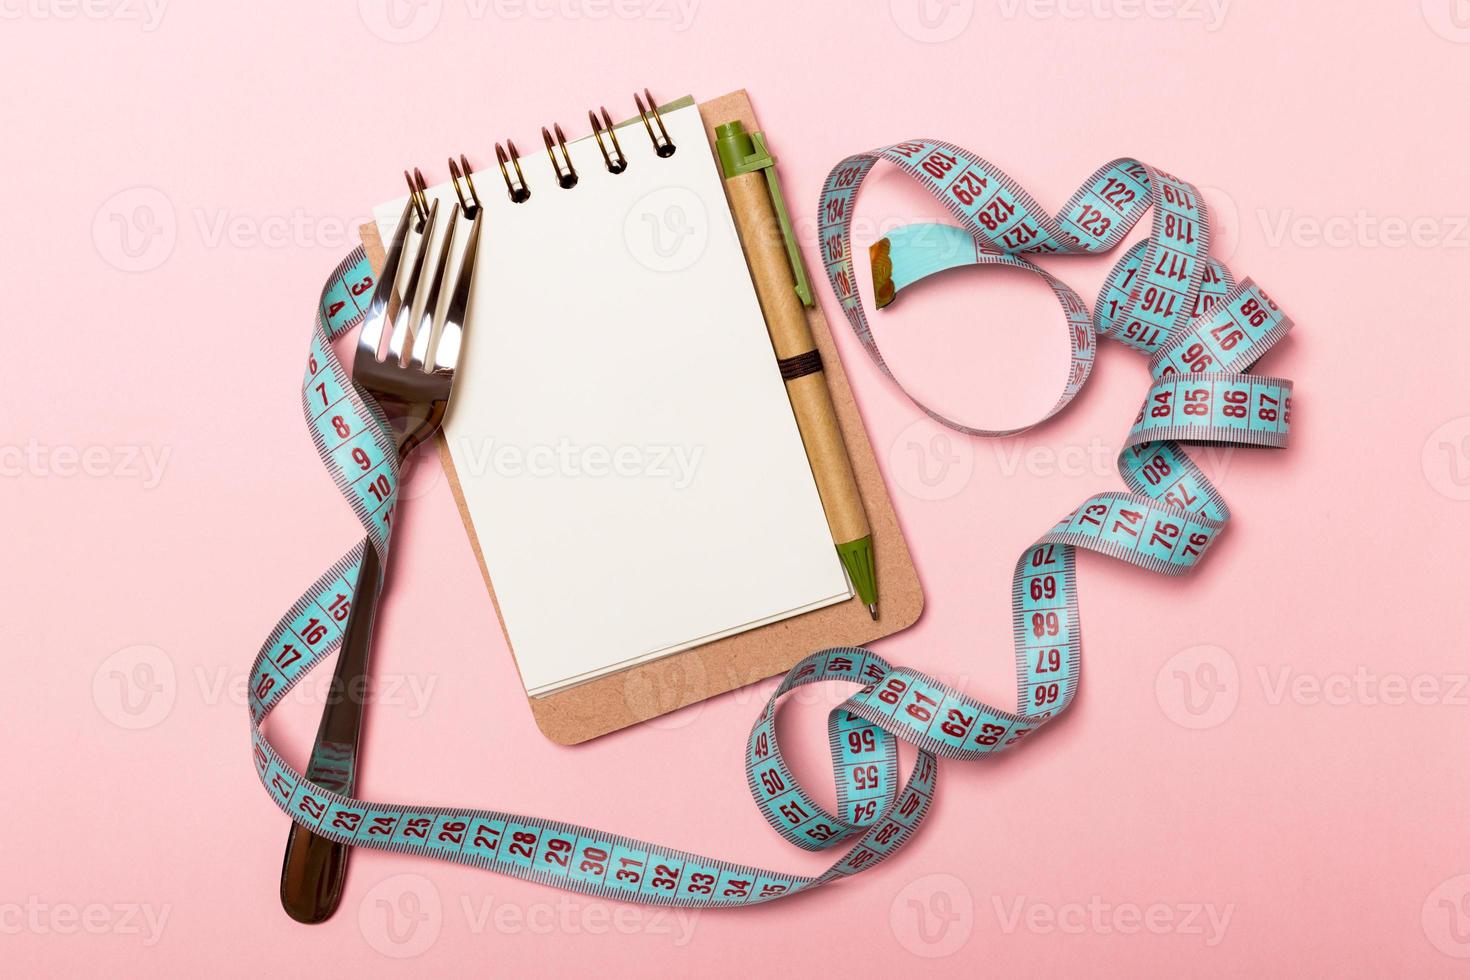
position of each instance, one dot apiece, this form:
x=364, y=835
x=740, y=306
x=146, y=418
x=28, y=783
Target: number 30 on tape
x=1166, y=297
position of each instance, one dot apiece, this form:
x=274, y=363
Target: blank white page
x=619, y=427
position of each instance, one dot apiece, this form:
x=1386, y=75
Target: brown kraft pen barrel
x=775, y=267
x=792, y=337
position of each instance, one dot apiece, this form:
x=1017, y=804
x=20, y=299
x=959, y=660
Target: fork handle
x=315, y=868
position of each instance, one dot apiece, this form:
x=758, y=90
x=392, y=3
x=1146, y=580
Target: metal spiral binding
x=519, y=192
x=461, y=172
x=417, y=195
x=566, y=178
x=615, y=162
x=555, y=139
x=662, y=145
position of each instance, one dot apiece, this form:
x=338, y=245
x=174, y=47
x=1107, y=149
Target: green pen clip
x=742, y=153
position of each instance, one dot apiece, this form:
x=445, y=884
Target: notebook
x=626, y=453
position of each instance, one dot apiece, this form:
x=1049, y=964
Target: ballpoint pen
x=784, y=291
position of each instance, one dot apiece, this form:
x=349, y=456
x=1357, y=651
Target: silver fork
x=411, y=383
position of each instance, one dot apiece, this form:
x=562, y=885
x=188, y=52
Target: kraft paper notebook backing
x=622, y=449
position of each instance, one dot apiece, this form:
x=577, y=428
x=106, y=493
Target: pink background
x=1276, y=740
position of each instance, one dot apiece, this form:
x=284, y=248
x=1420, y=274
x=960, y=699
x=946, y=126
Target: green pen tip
x=857, y=559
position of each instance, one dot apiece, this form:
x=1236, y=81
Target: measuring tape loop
x=912, y=252
x=1165, y=297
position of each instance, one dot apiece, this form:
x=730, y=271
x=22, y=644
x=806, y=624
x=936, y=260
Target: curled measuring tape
x=1165, y=297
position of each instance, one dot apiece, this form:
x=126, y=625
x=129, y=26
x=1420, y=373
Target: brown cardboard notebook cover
x=661, y=686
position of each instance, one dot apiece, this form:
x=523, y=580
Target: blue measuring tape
x=1165, y=297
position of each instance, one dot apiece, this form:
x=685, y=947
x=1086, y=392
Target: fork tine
x=385, y=293
x=398, y=340
x=425, y=331
x=451, y=335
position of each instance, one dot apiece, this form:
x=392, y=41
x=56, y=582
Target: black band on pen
x=801, y=365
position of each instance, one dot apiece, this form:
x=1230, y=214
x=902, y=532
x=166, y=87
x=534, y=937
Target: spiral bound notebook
x=620, y=441
x=622, y=438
